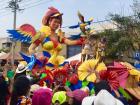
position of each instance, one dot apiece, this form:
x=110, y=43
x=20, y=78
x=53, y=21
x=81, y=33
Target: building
x=5, y=43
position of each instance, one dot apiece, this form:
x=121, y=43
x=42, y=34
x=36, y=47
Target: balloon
x=68, y=84
x=73, y=79
x=84, y=83
x=85, y=89
x=72, y=87
x=79, y=84
x=91, y=85
x=43, y=75
x=92, y=91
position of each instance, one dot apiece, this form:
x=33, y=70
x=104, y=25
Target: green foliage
x=125, y=38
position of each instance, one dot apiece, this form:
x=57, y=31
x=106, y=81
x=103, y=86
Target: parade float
x=51, y=68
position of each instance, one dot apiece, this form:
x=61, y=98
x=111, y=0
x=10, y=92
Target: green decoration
x=84, y=83
x=68, y=83
x=10, y=74
x=43, y=75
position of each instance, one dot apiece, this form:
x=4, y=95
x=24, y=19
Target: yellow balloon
x=59, y=47
x=48, y=45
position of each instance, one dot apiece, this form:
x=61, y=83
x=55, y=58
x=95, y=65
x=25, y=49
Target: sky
x=34, y=10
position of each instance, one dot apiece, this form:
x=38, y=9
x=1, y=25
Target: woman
x=50, y=40
x=20, y=91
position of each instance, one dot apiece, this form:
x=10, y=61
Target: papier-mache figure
x=47, y=37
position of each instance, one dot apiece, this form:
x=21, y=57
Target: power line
x=2, y=1
x=3, y=6
x=30, y=6
x=26, y=1
x=5, y=14
x=23, y=4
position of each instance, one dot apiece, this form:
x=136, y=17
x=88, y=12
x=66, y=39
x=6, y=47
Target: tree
x=126, y=39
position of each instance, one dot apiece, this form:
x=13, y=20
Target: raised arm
x=35, y=42
x=74, y=42
x=67, y=41
x=32, y=48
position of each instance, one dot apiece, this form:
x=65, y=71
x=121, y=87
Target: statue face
x=54, y=24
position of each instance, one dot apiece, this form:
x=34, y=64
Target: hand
x=60, y=33
x=80, y=41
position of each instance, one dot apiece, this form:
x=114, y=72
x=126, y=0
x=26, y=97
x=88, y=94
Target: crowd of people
x=24, y=92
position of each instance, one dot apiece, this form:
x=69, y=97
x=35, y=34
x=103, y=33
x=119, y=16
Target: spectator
x=21, y=69
x=3, y=91
x=102, y=93
x=34, y=88
x=20, y=91
x=102, y=85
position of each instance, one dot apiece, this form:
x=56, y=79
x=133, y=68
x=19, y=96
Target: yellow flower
x=87, y=69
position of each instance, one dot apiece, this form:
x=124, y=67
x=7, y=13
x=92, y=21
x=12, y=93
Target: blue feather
x=50, y=64
x=63, y=64
x=28, y=59
x=17, y=36
x=74, y=26
x=25, y=57
x=88, y=22
x=32, y=62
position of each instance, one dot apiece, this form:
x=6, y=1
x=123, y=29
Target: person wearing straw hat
x=21, y=69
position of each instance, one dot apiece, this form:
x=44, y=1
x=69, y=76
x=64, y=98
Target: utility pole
x=14, y=6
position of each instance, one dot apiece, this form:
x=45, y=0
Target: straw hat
x=21, y=68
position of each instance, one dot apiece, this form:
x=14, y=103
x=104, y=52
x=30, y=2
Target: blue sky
x=98, y=9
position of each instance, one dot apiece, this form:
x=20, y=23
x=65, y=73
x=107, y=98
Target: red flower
x=60, y=76
x=111, y=77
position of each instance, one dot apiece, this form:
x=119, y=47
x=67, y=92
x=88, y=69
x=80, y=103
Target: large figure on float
x=47, y=37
